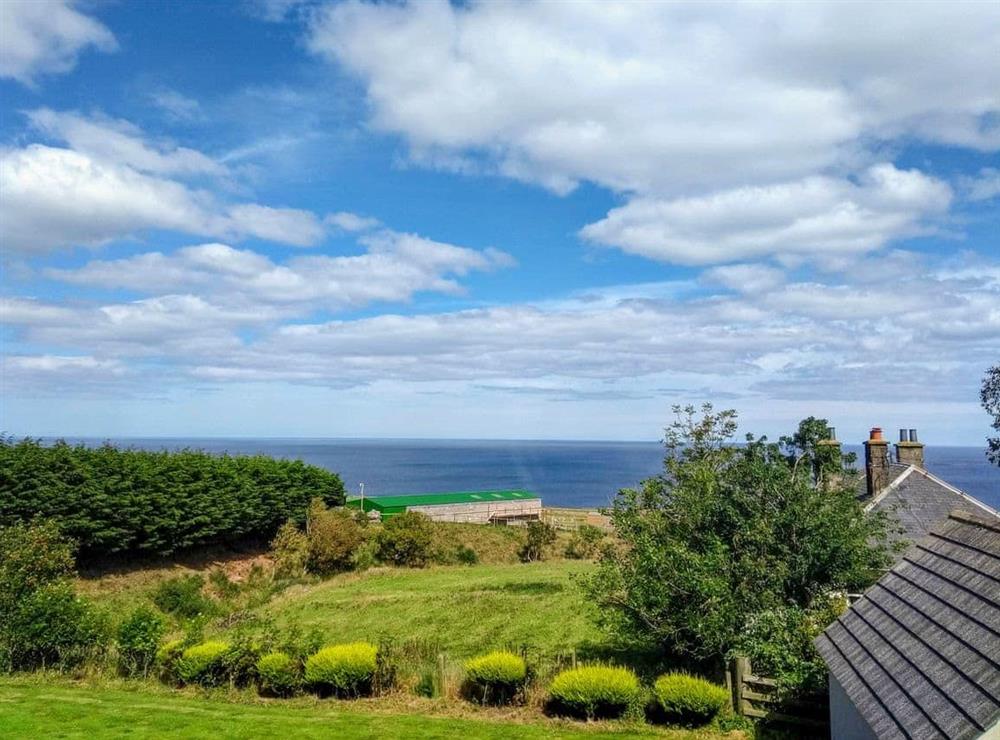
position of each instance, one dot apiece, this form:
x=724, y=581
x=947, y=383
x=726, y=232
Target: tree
x=811, y=445
x=540, y=535
x=989, y=395
x=725, y=534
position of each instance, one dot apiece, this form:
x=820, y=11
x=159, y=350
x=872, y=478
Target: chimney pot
x=875, y=434
x=833, y=433
x=902, y=435
x=913, y=435
x=909, y=451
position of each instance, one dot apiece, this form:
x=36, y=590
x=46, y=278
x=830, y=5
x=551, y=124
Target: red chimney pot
x=875, y=434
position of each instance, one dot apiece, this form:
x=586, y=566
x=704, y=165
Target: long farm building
x=477, y=507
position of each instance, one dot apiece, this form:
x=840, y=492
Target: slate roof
x=919, y=653
x=918, y=500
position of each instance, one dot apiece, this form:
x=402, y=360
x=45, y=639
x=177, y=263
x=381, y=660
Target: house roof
x=919, y=500
x=400, y=503
x=919, y=653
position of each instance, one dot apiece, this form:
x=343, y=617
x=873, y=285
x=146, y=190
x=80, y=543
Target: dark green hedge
x=115, y=500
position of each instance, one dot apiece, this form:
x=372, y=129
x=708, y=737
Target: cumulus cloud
x=55, y=197
x=983, y=186
x=46, y=37
x=817, y=216
x=395, y=267
x=663, y=97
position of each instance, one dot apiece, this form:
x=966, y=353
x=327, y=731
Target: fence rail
x=756, y=696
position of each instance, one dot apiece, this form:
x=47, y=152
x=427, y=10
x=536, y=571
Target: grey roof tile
x=919, y=653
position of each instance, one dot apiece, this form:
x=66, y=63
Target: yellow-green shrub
x=689, y=700
x=495, y=677
x=595, y=691
x=344, y=670
x=203, y=664
x=166, y=659
x=278, y=674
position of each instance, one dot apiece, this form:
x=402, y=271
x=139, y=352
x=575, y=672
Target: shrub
x=138, y=640
x=465, y=555
x=42, y=621
x=52, y=627
x=278, y=674
x=140, y=501
x=405, y=539
x=496, y=677
x=366, y=556
x=183, y=596
x=343, y=670
x=222, y=585
x=239, y=663
x=167, y=657
x=585, y=542
x=540, y=535
x=688, y=700
x=595, y=692
x=203, y=664
x=333, y=536
x=290, y=550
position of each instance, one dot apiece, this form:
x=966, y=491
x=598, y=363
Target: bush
x=183, y=597
x=343, y=670
x=540, y=535
x=688, y=700
x=496, y=677
x=114, y=500
x=278, y=674
x=465, y=555
x=239, y=663
x=138, y=641
x=42, y=621
x=333, y=536
x=167, y=657
x=595, y=692
x=290, y=550
x=585, y=543
x=52, y=628
x=405, y=539
x=203, y=664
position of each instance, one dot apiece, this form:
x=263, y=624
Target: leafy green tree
x=540, y=536
x=810, y=445
x=989, y=395
x=406, y=539
x=725, y=533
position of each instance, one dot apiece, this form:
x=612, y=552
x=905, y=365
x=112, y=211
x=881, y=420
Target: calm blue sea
x=579, y=474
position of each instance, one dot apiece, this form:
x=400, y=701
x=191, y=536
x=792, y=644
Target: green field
x=30, y=709
x=463, y=610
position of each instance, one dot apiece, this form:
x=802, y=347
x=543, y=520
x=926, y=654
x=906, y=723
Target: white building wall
x=481, y=513
x=846, y=722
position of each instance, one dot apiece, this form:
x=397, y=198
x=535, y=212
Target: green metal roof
x=395, y=504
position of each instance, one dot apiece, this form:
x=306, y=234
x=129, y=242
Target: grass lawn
x=463, y=610
x=32, y=709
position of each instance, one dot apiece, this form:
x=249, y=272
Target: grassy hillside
x=34, y=709
x=463, y=610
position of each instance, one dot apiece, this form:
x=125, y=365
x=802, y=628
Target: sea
x=567, y=473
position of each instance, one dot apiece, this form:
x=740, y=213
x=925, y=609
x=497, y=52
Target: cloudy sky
x=502, y=219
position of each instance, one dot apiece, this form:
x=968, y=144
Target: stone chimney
x=908, y=450
x=876, y=461
x=830, y=462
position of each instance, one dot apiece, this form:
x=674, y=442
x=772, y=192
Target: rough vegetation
x=596, y=691
x=688, y=700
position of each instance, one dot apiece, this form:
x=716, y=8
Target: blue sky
x=505, y=219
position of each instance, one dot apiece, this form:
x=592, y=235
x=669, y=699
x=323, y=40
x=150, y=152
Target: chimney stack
x=908, y=450
x=876, y=462
x=829, y=464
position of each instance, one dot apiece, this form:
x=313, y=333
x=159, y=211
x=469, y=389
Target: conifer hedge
x=131, y=501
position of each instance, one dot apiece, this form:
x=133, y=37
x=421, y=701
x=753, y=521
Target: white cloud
x=56, y=197
x=750, y=278
x=351, y=221
x=664, y=97
x=395, y=267
x=121, y=142
x=176, y=105
x=983, y=186
x=45, y=37
x=817, y=216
